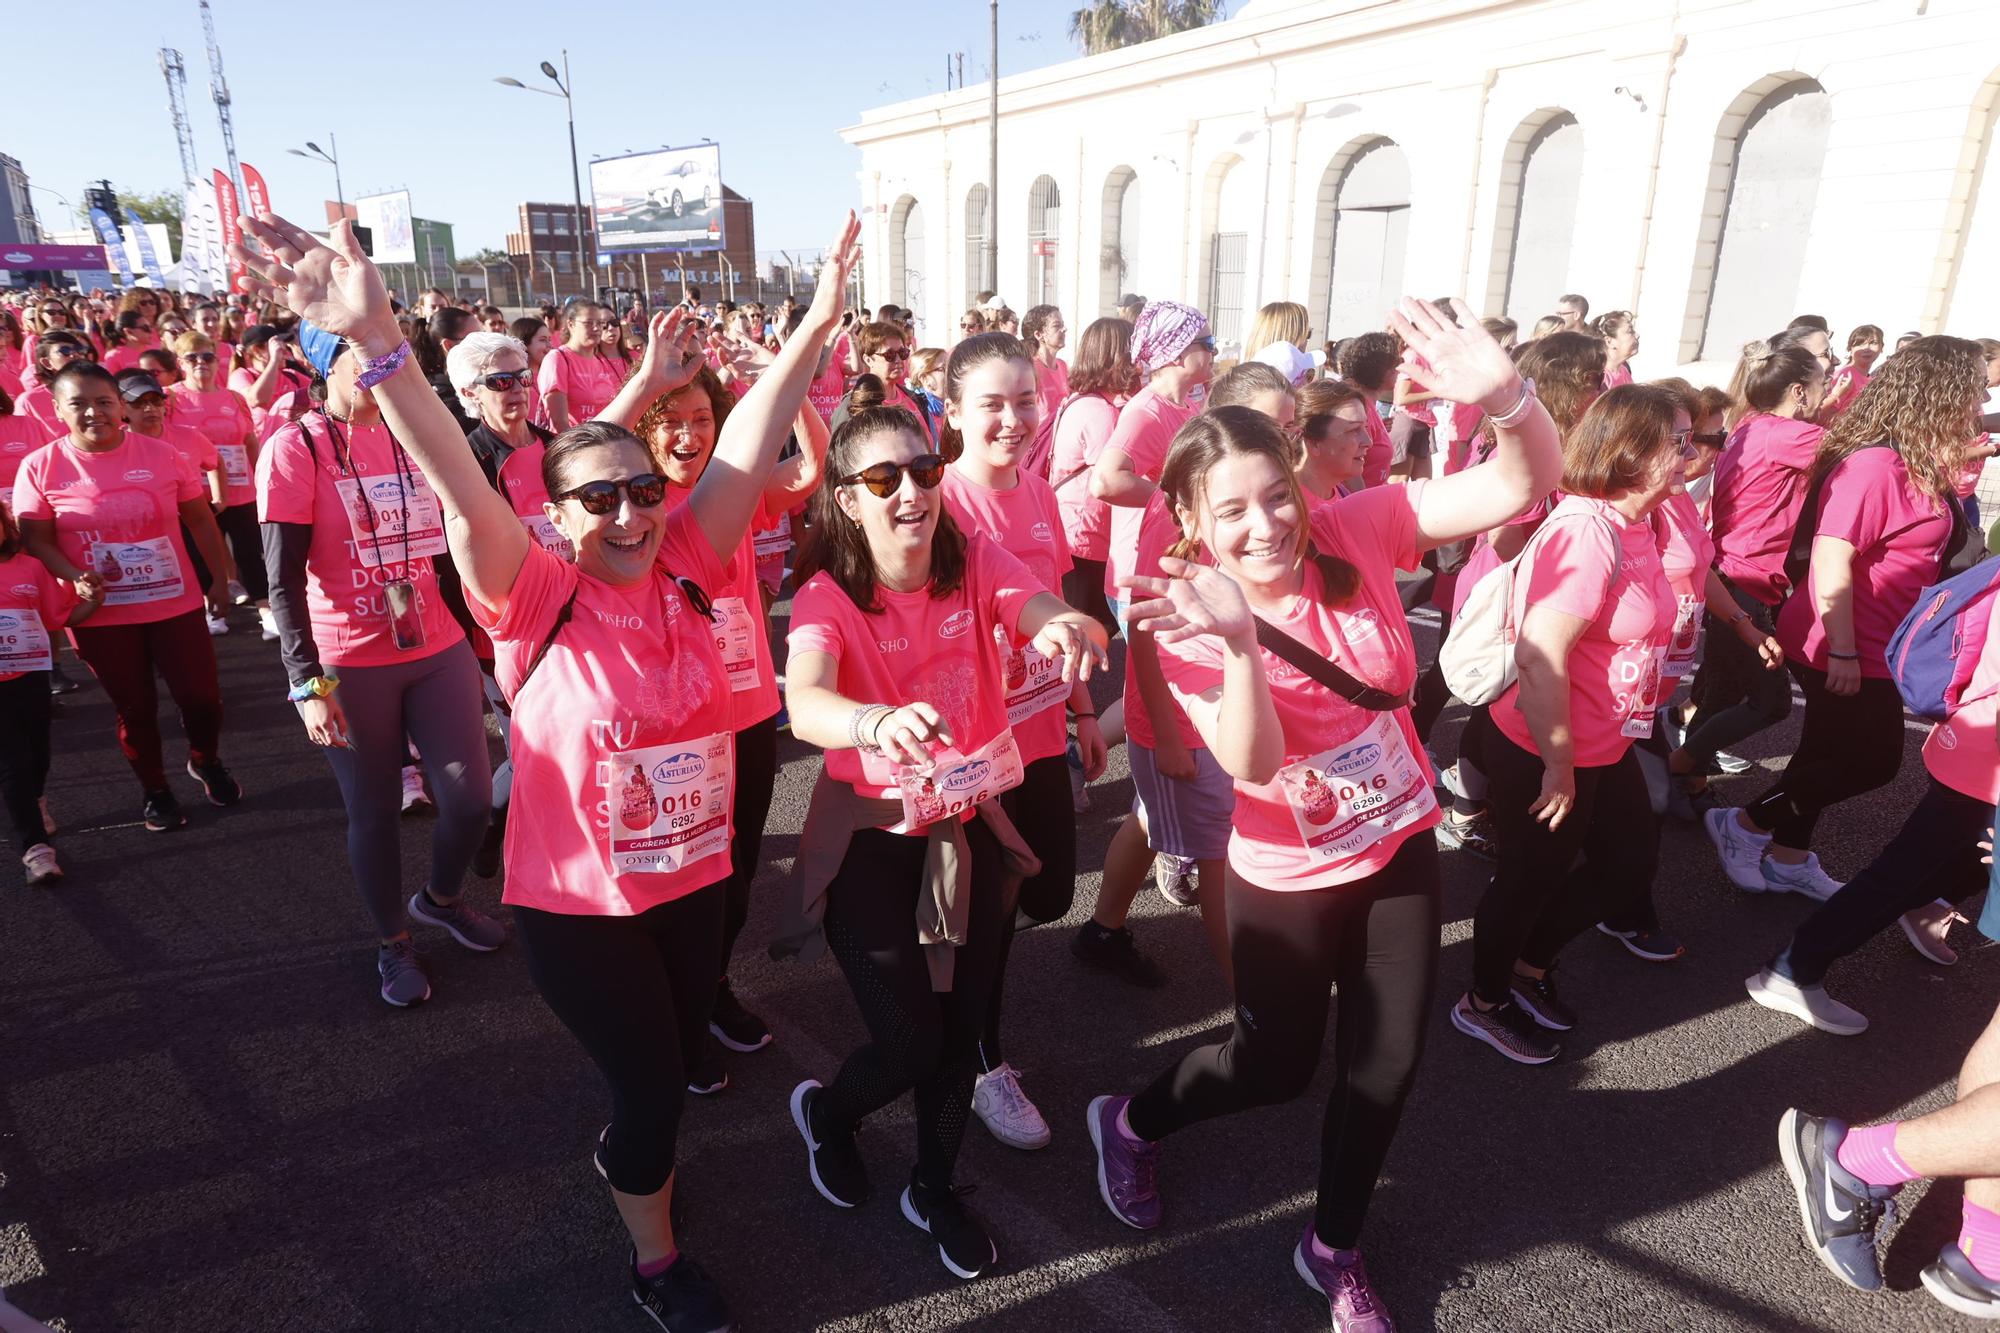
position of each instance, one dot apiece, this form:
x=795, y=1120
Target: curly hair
x=1921, y=402
x=720, y=400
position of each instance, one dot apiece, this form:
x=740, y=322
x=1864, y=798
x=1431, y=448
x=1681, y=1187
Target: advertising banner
x=56, y=258
x=253, y=185
x=114, y=244
x=388, y=217
x=225, y=211
x=147, y=257
x=195, y=274
x=665, y=201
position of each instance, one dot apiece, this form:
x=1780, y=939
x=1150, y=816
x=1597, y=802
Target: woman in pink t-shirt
x=1621, y=343
x=1888, y=517
x=106, y=505
x=533, y=335
x=265, y=377
x=899, y=649
x=19, y=436
x=619, y=844
x=1333, y=875
x=1043, y=330
x=1369, y=363
x=1084, y=423
x=218, y=412
x=37, y=402
x=1864, y=345
x=575, y=380
x=13, y=355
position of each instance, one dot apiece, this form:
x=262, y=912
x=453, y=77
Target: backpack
x=1934, y=652
x=1477, y=655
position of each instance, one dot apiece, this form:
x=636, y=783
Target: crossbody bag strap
x=1330, y=674
x=562, y=618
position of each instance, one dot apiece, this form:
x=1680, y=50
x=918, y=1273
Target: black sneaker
x=683, y=1299
x=1956, y=1283
x=733, y=1025
x=1473, y=834
x=1647, y=942
x=1538, y=996
x=1507, y=1029
x=216, y=784
x=706, y=1076
x=1115, y=952
x=163, y=811
x=486, y=861
x=1840, y=1211
x=833, y=1160
x=962, y=1242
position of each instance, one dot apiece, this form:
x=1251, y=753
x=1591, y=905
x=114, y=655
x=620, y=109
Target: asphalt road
x=211, y=1122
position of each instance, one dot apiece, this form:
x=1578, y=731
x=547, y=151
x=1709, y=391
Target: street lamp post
x=331, y=156
x=562, y=83
x=67, y=206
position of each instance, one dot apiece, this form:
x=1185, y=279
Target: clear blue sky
x=407, y=88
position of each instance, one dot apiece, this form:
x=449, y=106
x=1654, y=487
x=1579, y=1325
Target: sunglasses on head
x=645, y=491
x=884, y=478
x=502, y=380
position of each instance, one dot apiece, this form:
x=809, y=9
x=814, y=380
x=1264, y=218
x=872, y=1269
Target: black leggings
x=1377, y=939
x=756, y=775
x=246, y=547
x=1043, y=812
x=1541, y=897
x=24, y=753
x=635, y=991
x=1083, y=588
x=1735, y=694
x=1934, y=855
x=1848, y=745
x=917, y=1037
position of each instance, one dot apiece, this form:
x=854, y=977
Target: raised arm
x=671, y=360
x=1467, y=366
x=341, y=291
x=793, y=480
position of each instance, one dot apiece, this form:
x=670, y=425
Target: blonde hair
x=1278, y=322
x=1920, y=403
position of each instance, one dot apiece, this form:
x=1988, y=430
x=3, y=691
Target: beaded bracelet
x=1518, y=413
x=374, y=372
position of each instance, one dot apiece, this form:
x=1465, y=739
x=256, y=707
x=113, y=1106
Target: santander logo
x=955, y=624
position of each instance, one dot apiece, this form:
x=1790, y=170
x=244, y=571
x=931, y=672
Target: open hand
x=671, y=359
x=1464, y=364
x=335, y=287
x=841, y=259
x=1192, y=600
x=1070, y=641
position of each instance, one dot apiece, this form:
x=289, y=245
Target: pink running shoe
x=1125, y=1167
x=1344, y=1282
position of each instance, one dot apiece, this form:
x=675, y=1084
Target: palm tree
x=1107, y=25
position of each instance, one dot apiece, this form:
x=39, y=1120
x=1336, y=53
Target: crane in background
x=175, y=71
x=218, y=88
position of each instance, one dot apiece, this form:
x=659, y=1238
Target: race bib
x=548, y=536
x=954, y=783
x=390, y=527
x=1346, y=799
x=736, y=641
x=235, y=464
x=775, y=542
x=136, y=572
x=669, y=804
x=1034, y=683
x=1684, y=648
x=24, y=642
x=1635, y=687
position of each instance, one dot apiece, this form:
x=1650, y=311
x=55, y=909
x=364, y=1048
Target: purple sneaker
x=1125, y=1166
x=1344, y=1282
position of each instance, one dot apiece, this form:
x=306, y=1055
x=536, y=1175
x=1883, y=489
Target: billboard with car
x=669, y=200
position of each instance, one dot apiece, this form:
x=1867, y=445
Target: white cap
x=1290, y=362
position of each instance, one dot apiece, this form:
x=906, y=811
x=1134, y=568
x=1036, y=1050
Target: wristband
x=374, y=372
x=1518, y=413
x=1082, y=715
x=1843, y=657
x=316, y=687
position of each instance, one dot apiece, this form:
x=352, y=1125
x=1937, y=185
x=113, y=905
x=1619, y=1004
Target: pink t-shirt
x=263, y=418
x=38, y=405
x=223, y=416
x=1760, y=482
x=1026, y=523
x=627, y=702
x=1334, y=751
x=1614, y=378
x=1425, y=411
x=1589, y=561
x=588, y=382
x=19, y=437
x=1157, y=532
x=1963, y=751
x=521, y=484
x=1381, y=450
x=826, y=390
x=1686, y=553
x=347, y=483
x=34, y=605
x=1083, y=427
x=742, y=631
x=1145, y=429
x=118, y=513
x=123, y=357
x=937, y=650
x=1898, y=534
x=1051, y=386
x=14, y=372
x=194, y=446
x=1848, y=382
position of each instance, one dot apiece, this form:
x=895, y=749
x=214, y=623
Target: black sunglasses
x=645, y=491
x=64, y=352
x=900, y=354
x=502, y=380
x=1714, y=439
x=884, y=478
x=200, y=358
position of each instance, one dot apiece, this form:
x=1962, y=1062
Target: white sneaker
x=415, y=798
x=40, y=863
x=268, y=622
x=1928, y=928
x=1810, y=1004
x=1807, y=877
x=217, y=626
x=999, y=1101
x=48, y=819
x=238, y=594
x=1742, y=851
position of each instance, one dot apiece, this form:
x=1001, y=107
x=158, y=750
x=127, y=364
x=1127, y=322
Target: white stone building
x=1715, y=166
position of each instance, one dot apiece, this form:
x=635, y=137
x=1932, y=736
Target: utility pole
x=175, y=70
x=993, y=156
x=218, y=89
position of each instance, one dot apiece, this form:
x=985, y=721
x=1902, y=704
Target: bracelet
x=317, y=687
x=374, y=372
x=1518, y=413
x=1843, y=657
x=854, y=726
x=1082, y=715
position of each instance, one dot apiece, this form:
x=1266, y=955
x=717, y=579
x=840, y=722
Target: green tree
x=1107, y=25
x=159, y=206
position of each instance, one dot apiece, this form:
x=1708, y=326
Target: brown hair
x=720, y=400
x=868, y=391
x=1369, y=359
x=1546, y=325
x=1684, y=394
x=836, y=543
x=924, y=360
x=1317, y=400
x=970, y=354
x=580, y=438
x=1864, y=334
x=1612, y=448
x=1104, y=359
x=1236, y=432
x=875, y=335
x=1764, y=373
x=56, y=338
x=1919, y=403
x=1245, y=382
x=1568, y=371
x=10, y=531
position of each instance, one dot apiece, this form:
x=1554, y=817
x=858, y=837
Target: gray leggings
x=434, y=702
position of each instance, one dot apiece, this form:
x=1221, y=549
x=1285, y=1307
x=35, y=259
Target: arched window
x=1229, y=212
x=978, y=268
x=1044, y=228
x=906, y=253
x=1971, y=255
x=1542, y=177
x=1770, y=148
x=1361, y=234
x=1118, y=239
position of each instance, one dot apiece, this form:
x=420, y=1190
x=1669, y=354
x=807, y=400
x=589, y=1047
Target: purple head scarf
x=1163, y=331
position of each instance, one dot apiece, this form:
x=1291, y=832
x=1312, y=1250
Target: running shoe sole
x=812, y=1164
x=1784, y=1004
x=1097, y=1141
x=1795, y=1171
x=1708, y=824
x=421, y=911
x=1630, y=940
x=209, y=792
x=735, y=1045
x=1942, y=1292
x=1480, y=1034
x=1923, y=946
x=916, y=1220
x=408, y=1004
